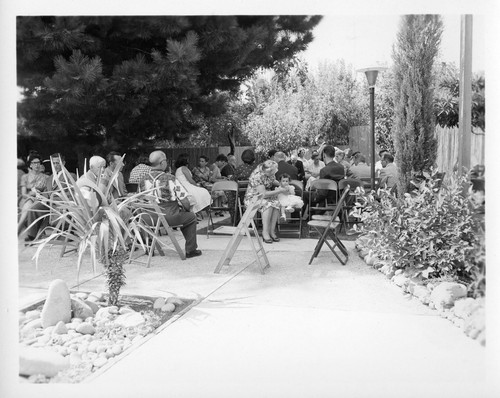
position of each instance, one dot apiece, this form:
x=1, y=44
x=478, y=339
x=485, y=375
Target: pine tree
x=417, y=46
x=129, y=80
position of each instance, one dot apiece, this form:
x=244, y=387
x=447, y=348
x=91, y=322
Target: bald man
x=170, y=194
x=95, y=173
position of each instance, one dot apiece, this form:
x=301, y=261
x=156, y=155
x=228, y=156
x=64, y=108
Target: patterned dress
x=243, y=171
x=33, y=180
x=259, y=178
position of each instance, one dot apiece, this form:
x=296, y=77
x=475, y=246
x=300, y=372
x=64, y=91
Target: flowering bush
x=429, y=233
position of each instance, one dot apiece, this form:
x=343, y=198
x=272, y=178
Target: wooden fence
x=449, y=144
x=447, y=151
x=359, y=140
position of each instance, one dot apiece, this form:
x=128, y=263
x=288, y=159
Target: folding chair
x=330, y=200
x=150, y=211
x=296, y=216
x=351, y=184
x=328, y=229
x=231, y=186
x=245, y=227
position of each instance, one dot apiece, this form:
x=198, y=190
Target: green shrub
x=432, y=232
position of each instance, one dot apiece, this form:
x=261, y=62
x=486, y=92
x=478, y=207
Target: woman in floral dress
x=32, y=184
x=263, y=181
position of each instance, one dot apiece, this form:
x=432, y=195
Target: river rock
x=159, y=302
x=95, y=296
x=100, y=361
x=387, y=270
x=43, y=361
x=464, y=307
x=103, y=313
x=421, y=293
x=475, y=323
x=74, y=358
x=85, y=328
x=113, y=309
x=169, y=307
x=116, y=349
x=22, y=318
x=93, y=306
x=400, y=280
x=60, y=328
x=80, y=309
x=175, y=300
x=34, y=314
x=130, y=320
x=125, y=310
x=31, y=326
x=81, y=295
x=57, y=306
x=446, y=293
x=370, y=259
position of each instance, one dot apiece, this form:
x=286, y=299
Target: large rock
x=475, y=323
x=60, y=328
x=400, y=280
x=422, y=293
x=93, y=306
x=57, y=306
x=30, y=315
x=445, y=294
x=80, y=309
x=130, y=320
x=34, y=361
x=31, y=326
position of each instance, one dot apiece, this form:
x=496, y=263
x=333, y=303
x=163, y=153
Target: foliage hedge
x=433, y=232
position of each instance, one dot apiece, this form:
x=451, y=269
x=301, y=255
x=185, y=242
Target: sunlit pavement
x=299, y=330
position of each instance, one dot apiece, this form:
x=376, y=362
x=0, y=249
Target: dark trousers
x=186, y=220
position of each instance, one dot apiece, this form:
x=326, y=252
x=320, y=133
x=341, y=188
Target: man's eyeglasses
x=35, y=162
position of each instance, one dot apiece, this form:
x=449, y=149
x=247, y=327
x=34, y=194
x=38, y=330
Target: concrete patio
x=299, y=330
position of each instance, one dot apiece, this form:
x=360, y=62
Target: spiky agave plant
x=104, y=225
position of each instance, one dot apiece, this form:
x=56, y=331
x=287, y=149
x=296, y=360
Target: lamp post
x=371, y=76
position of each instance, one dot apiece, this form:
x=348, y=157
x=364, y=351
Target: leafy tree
x=416, y=47
x=384, y=110
x=447, y=97
x=290, y=113
x=129, y=80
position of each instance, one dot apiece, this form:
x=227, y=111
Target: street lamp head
x=372, y=73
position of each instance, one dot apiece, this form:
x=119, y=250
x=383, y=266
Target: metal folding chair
x=295, y=218
x=326, y=204
x=328, y=229
x=231, y=186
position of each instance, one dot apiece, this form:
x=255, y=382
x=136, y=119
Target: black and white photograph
x=228, y=199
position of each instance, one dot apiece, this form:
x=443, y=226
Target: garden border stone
x=449, y=299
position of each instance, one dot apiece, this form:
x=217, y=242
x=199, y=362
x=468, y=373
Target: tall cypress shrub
x=416, y=47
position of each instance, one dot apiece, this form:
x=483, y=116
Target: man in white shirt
x=313, y=168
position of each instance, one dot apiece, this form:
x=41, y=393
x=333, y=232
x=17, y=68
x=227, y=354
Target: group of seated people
x=192, y=186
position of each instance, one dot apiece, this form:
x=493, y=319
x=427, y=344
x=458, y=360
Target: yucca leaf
x=114, y=176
